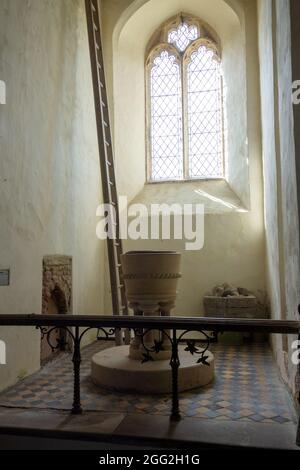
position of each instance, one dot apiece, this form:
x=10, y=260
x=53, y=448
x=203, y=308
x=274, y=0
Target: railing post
x=76, y=408
x=175, y=363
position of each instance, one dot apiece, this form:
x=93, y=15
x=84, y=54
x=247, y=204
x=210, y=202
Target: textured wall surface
x=127, y=39
x=234, y=247
x=280, y=185
x=49, y=171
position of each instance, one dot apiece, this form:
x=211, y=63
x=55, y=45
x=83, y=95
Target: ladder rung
x=108, y=178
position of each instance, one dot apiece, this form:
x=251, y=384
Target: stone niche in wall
x=56, y=299
x=57, y=283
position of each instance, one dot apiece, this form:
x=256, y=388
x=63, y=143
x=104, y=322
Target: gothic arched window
x=184, y=102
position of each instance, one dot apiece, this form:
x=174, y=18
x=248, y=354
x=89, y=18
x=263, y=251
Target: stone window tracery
x=184, y=103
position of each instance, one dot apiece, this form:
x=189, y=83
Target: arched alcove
x=233, y=248
x=131, y=36
x=56, y=300
x=231, y=6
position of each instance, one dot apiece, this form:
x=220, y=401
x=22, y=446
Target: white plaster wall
x=128, y=49
x=289, y=220
x=280, y=188
x=49, y=171
x=235, y=255
x=234, y=248
x=273, y=277
x=269, y=154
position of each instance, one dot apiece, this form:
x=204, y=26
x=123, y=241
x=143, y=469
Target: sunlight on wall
x=234, y=233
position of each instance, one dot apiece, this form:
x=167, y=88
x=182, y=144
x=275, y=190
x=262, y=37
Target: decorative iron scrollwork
x=193, y=349
x=60, y=342
x=107, y=333
x=158, y=345
x=147, y=353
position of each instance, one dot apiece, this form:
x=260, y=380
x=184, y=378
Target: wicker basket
x=231, y=307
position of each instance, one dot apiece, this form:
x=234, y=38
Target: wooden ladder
x=114, y=245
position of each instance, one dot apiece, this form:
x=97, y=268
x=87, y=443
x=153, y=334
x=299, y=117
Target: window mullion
x=148, y=103
x=222, y=112
x=185, y=127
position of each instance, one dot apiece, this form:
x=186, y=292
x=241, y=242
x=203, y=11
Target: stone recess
x=57, y=282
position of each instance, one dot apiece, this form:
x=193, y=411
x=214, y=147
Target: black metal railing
x=172, y=329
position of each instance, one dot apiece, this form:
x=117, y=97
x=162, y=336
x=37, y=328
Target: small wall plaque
x=4, y=277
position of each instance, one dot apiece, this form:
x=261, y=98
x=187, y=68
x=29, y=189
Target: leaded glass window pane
x=204, y=115
x=186, y=105
x=166, y=118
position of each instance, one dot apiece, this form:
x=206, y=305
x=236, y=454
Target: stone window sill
x=216, y=195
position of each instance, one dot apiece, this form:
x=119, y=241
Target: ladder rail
x=114, y=246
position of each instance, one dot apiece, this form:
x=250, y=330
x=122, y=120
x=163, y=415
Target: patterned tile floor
x=246, y=387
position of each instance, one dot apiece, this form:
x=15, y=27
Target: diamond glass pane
x=204, y=115
x=166, y=118
x=183, y=36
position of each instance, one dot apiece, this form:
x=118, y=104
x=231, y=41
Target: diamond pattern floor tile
x=247, y=387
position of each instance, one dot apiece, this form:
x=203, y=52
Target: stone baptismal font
x=151, y=279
